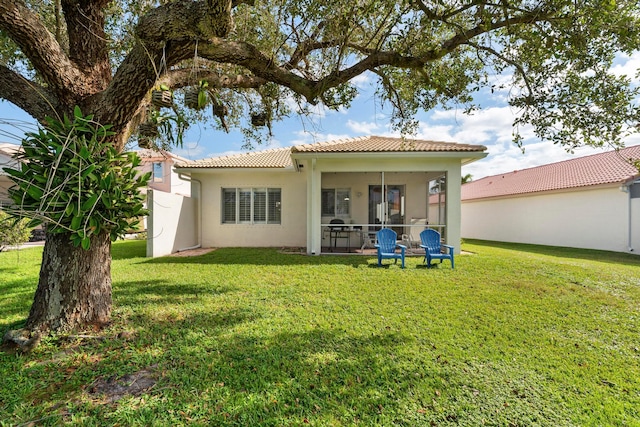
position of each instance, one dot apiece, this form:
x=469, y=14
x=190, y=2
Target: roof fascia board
x=392, y=154
x=216, y=169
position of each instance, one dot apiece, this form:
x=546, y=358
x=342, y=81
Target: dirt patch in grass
x=292, y=250
x=113, y=389
x=194, y=252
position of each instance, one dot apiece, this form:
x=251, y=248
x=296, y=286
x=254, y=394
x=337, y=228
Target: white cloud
x=365, y=128
x=485, y=126
x=492, y=127
x=627, y=65
x=311, y=137
x=363, y=81
x=191, y=150
x=435, y=133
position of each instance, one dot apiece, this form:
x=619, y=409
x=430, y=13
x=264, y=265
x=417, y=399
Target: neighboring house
x=589, y=202
x=163, y=177
x=287, y=197
x=6, y=160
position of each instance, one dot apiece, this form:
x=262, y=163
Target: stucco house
x=590, y=202
x=163, y=177
x=7, y=151
x=292, y=197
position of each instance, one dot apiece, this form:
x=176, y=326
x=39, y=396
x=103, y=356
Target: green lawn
x=515, y=336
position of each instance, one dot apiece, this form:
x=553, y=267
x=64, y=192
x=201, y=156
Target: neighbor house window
x=251, y=206
x=336, y=202
x=158, y=172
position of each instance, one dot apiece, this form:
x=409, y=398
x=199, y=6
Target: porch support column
x=314, y=232
x=454, y=207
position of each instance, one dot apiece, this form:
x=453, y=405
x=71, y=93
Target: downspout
x=198, y=210
x=383, y=220
x=630, y=241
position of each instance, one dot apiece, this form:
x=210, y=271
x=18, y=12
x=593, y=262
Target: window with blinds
x=229, y=205
x=274, y=206
x=251, y=206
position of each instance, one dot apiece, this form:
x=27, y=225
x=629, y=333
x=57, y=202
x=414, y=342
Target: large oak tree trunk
x=74, y=290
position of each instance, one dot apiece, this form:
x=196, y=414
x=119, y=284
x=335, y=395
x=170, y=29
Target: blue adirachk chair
x=430, y=239
x=387, y=245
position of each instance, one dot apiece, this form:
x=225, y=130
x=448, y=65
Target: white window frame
x=251, y=213
x=155, y=177
x=338, y=205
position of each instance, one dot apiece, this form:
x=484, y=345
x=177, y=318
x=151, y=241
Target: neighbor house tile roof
x=281, y=157
x=148, y=154
x=9, y=149
x=612, y=167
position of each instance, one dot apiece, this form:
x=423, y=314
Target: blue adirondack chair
x=387, y=245
x=430, y=239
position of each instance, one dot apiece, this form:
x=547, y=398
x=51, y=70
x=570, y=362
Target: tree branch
x=27, y=95
x=484, y=27
x=41, y=48
x=187, y=77
x=503, y=58
x=182, y=20
x=87, y=39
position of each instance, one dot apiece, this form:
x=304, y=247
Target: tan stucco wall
x=301, y=220
x=5, y=183
x=291, y=232
x=589, y=218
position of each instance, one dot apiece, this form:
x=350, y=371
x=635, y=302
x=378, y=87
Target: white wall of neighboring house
x=290, y=232
x=590, y=218
x=172, y=223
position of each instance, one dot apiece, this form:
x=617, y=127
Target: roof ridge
x=333, y=142
x=244, y=154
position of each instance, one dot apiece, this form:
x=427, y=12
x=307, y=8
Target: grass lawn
x=516, y=335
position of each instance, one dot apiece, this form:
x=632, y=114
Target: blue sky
x=490, y=126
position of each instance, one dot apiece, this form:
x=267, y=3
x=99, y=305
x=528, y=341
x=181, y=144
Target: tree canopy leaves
x=273, y=57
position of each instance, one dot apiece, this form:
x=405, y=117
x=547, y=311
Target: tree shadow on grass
x=16, y=299
x=316, y=375
x=137, y=292
x=275, y=378
x=129, y=249
x=564, y=252
x=261, y=256
x=70, y=372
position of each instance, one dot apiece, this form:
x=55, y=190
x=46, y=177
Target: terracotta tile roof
x=384, y=144
x=148, y=154
x=281, y=157
x=278, y=158
x=598, y=169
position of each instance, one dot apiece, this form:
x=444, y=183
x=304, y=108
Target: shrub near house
x=13, y=232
